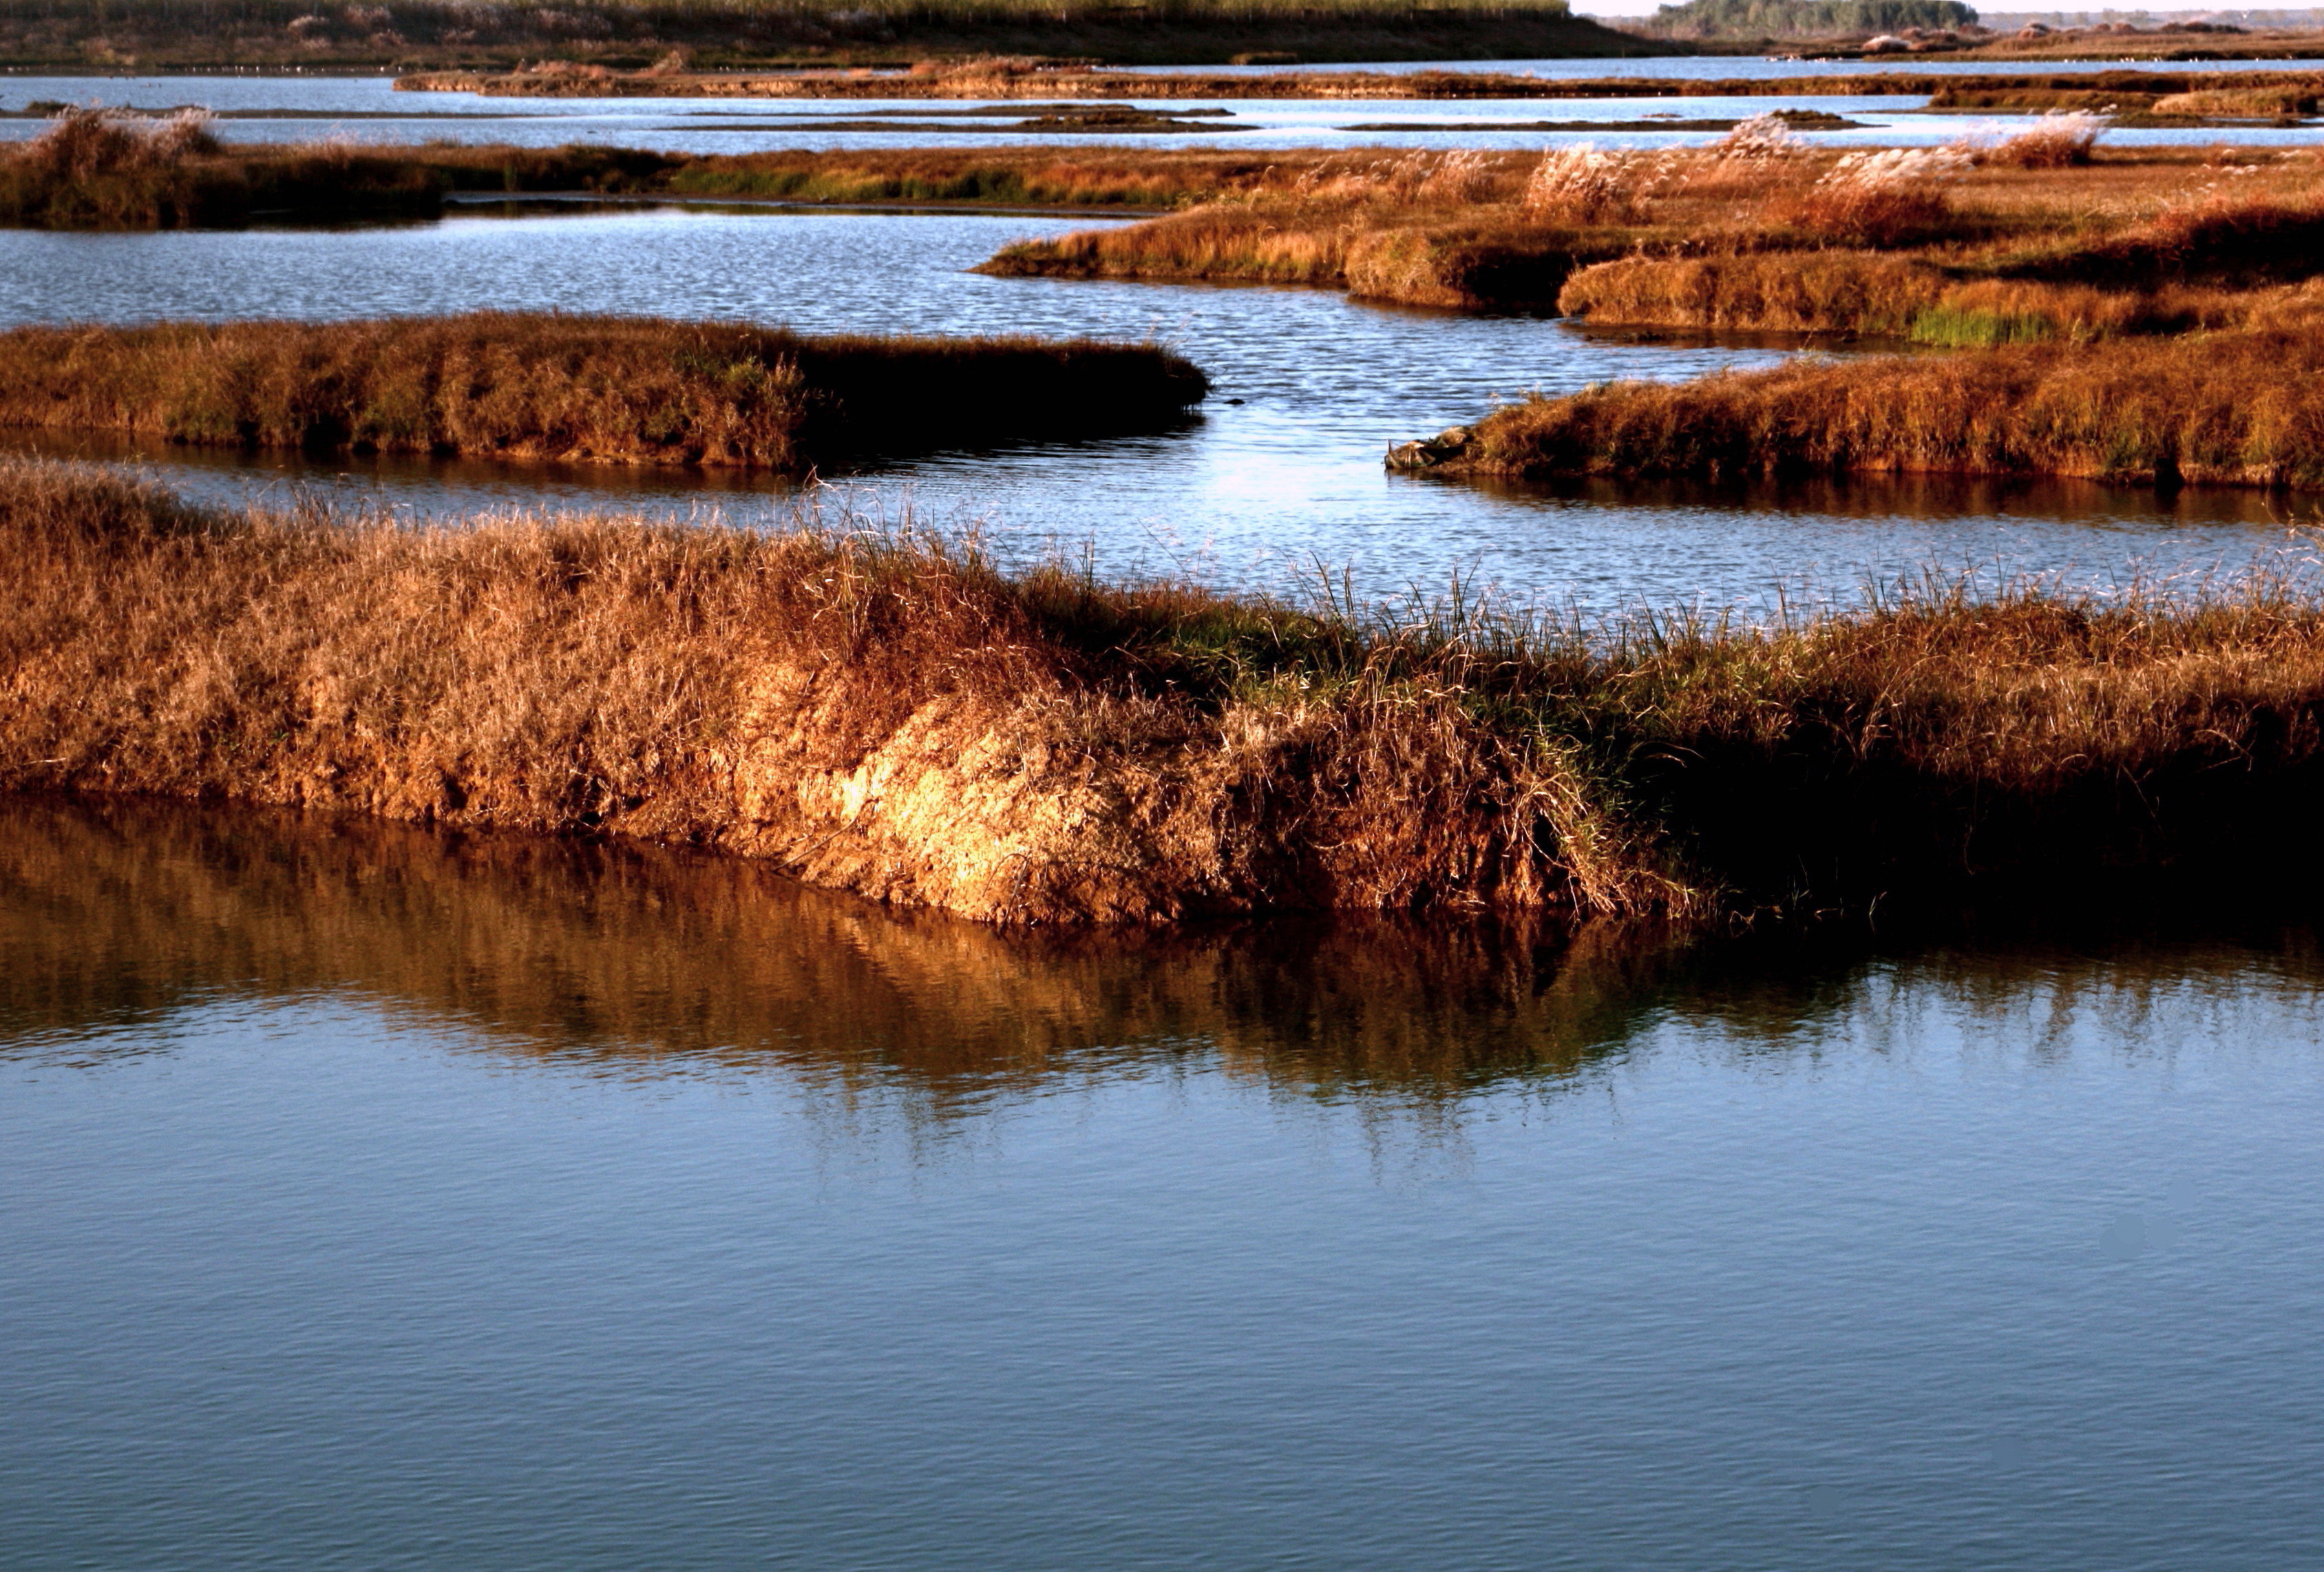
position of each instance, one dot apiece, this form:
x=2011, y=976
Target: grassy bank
x=671, y=35
x=1002, y=78
x=1428, y=228
x=604, y=389
x=1760, y=230
x=893, y=715
x=90, y=169
x=2231, y=408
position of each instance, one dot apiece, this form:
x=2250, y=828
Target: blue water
x=1260, y=493
x=377, y=1202
x=380, y=113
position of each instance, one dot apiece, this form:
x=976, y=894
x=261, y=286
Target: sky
x=1611, y=8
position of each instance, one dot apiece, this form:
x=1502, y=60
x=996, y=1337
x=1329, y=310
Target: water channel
x=377, y=1199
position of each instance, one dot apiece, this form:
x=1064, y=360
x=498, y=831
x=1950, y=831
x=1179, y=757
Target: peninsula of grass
x=607, y=390
x=893, y=714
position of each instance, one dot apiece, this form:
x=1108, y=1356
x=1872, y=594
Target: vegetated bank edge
x=1004, y=79
x=892, y=715
x=101, y=170
x=614, y=390
x=2231, y=408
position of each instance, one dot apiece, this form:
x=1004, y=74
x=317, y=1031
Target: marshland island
x=2039, y=277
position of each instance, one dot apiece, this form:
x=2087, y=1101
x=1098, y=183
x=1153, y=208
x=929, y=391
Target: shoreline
x=631, y=390
x=890, y=713
x=1005, y=80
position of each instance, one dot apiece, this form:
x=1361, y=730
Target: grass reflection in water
x=634, y=961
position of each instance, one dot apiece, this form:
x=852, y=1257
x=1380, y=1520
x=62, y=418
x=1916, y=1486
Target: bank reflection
x=635, y=961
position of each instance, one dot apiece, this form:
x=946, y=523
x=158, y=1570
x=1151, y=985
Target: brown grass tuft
x=2061, y=141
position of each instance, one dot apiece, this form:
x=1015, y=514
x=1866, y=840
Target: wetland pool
x=374, y=111
x=381, y=1200
x=1278, y=477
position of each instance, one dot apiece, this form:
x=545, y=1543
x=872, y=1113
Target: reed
x=91, y=169
x=1880, y=295
x=887, y=714
x=2226, y=409
x=1773, y=291
x=600, y=389
x=890, y=713
x=2065, y=141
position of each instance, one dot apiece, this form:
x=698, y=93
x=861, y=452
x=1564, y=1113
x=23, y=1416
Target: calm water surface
x=1255, y=493
x=375, y=1200
x=374, y=111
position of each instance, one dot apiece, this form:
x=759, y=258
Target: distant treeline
x=1805, y=18
x=641, y=32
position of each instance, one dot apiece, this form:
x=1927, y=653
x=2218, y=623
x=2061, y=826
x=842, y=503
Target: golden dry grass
x=892, y=715
x=1759, y=206
x=98, y=169
x=887, y=716
x=601, y=389
x=2230, y=408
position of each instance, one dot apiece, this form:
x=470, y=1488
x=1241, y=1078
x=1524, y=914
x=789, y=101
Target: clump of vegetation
x=96, y=169
x=1758, y=291
x=2228, y=408
x=890, y=713
x=1430, y=228
x=2062, y=141
x=601, y=389
x=1876, y=201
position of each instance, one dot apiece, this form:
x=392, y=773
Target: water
x=374, y=111
x=382, y=1201
x=1254, y=495
x=378, y=1199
